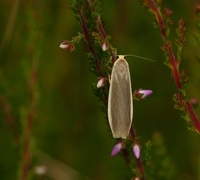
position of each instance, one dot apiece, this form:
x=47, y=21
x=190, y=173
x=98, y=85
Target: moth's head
x=132, y=55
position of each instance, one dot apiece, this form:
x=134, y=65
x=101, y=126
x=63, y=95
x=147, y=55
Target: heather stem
x=9, y=118
x=101, y=30
x=27, y=155
x=87, y=38
x=103, y=37
x=193, y=116
x=174, y=65
x=139, y=160
x=158, y=18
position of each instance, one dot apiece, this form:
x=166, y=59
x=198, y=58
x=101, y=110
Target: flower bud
x=65, y=45
x=104, y=46
x=40, y=170
x=193, y=101
x=145, y=92
x=117, y=148
x=101, y=82
x=136, y=150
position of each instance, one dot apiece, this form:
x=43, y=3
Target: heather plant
x=51, y=123
x=101, y=57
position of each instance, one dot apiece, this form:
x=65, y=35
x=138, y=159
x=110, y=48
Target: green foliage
x=46, y=100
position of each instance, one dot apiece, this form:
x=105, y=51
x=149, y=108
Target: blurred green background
x=70, y=132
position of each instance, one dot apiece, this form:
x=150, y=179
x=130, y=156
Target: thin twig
x=9, y=118
x=174, y=64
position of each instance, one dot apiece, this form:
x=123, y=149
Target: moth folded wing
x=120, y=100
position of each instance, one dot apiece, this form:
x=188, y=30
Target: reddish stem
x=139, y=160
x=9, y=118
x=158, y=18
x=167, y=44
x=91, y=49
x=173, y=63
x=193, y=116
x=101, y=30
x=87, y=38
x=27, y=156
x=175, y=70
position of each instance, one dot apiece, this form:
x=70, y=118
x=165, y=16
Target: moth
x=120, y=102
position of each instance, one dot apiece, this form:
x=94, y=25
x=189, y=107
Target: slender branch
x=139, y=160
x=167, y=44
x=174, y=64
x=103, y=37
x=193, y=116
x=27, y=155
x=9, y=118
x=101, y=30
x=87, y=38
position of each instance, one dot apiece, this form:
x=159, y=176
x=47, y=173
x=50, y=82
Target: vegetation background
x=53, y=86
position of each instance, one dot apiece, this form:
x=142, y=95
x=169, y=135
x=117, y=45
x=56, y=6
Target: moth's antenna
x=140, y=57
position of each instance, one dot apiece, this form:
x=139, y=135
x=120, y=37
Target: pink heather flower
x=145, y=92
x=137, y=178
x=136, y=150
x=100, y=82
x=194, y=101
x=41, y=170
x=104, y=46
x=116, y=149
x=65, y=45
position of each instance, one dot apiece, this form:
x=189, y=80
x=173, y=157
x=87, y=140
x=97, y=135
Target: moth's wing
x=120, y=103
